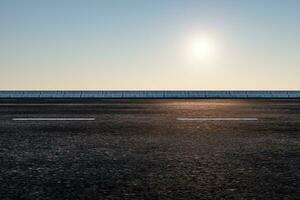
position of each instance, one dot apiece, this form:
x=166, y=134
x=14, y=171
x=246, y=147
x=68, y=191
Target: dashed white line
x=53, y=119
x=216, y=119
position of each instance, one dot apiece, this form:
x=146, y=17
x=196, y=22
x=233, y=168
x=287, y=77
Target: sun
x=201, y=49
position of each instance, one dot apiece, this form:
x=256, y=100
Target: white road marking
x=216, y=119
x=53, y=119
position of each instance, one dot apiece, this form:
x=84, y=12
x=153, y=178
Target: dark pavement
x=138, y=149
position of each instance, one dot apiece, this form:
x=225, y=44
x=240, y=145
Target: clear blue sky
x=139, y=44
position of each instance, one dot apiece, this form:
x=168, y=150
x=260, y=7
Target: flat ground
x=150, y=149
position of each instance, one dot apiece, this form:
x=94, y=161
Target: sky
x=149, y=44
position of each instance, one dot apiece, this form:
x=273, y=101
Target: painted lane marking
x=53, y=119
x=216, y=119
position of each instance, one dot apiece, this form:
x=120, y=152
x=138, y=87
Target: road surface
x=149, y=149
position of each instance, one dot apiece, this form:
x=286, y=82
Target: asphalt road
x=150, y=149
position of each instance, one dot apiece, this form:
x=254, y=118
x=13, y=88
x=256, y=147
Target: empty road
x=149, y=149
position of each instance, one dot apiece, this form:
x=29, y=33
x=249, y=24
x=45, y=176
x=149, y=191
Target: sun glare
x=201, y=49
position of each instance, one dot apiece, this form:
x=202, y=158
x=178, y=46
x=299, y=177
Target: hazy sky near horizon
x=144, y=44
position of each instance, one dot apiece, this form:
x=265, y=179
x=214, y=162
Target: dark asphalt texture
x=137, y=149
